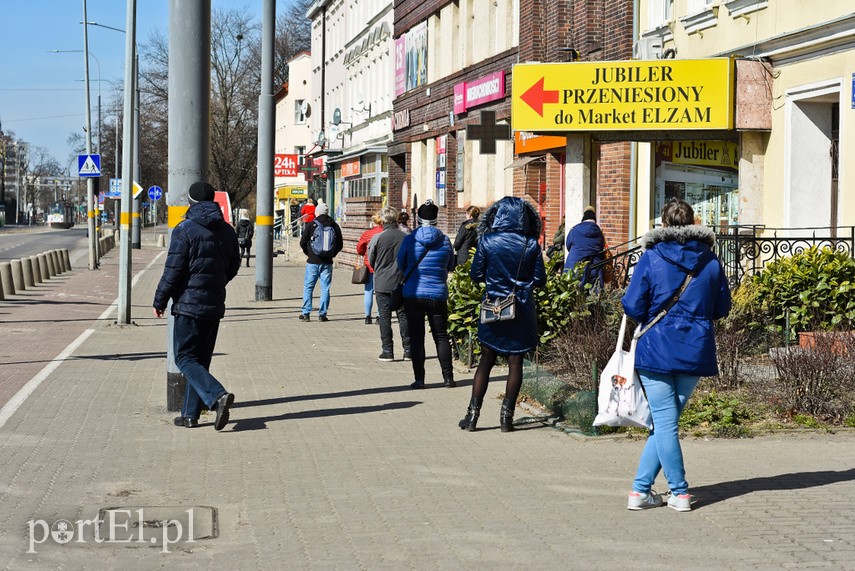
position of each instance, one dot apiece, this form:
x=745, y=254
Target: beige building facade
x=797, y=170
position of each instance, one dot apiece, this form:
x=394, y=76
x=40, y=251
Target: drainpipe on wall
x=633, y=147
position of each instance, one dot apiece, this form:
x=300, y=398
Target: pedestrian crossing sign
x=89, y=165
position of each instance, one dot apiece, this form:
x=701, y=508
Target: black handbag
x=396, y=299
x=360, y=275
x=503, y=308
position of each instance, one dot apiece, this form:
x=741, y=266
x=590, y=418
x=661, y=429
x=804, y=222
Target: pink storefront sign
x=482, y=90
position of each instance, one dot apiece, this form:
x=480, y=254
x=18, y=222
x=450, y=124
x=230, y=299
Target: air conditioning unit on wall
x=648, y=48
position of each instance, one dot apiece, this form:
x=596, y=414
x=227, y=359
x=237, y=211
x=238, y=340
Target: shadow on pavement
x=260, y=423
x=125, y=356
x=320, y=396
x=714, y=493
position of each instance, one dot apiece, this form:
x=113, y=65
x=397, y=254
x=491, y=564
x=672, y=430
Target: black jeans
x=384, y=320
x=437, y=315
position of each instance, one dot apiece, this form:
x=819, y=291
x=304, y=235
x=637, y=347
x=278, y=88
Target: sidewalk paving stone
x=331, y=461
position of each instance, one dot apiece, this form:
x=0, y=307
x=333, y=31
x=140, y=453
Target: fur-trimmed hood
x=511, y=214
x=688, y=247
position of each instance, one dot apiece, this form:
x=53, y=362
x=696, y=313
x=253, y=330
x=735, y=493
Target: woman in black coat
x=467, y=235
x=509, y=261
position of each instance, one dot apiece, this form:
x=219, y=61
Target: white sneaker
x=681, y=502
x=639, y=501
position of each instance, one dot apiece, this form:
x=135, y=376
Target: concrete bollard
x=66, y=259
x=37, y=273
x=6, y=278
x=59, y=263
x=57, y=260
x=27, y=266
x=161, y=240
x=51, y=254
x=51, y=267
x=43, y=267
x=18, y=275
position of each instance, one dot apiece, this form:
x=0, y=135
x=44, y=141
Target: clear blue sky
x=42, y=98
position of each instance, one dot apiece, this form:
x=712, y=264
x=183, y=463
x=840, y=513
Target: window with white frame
x=658, y=13
x=695, y=6
x=299, y=112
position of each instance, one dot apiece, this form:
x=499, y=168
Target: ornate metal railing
x=745, y=250
x=742, y=250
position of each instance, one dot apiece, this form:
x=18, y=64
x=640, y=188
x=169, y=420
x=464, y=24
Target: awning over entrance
x=523, y=161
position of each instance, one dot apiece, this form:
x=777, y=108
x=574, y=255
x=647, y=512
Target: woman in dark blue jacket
x=672, y=356
x=426, y=291
x=508, y=259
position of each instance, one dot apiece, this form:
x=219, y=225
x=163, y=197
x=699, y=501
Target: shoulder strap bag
x=503, y=308
x=397, y=297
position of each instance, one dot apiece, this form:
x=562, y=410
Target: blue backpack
x=323, y=240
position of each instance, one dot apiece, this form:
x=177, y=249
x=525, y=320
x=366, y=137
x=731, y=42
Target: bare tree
x=235, y=87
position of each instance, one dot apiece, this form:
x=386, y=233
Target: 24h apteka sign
x=285, y=165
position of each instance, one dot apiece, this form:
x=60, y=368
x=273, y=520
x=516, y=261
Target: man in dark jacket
x=203, y=257
x=383, y=255
x=585, y=243
x=467, y=235
x=319, y=265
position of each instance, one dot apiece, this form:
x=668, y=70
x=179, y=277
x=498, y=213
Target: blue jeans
x=313, y=272
x=667, y=395
x=193, y=342
x=369, y=294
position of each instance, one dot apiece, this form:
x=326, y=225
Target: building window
x=299, y=112
x=658, y=13
x=695, y=6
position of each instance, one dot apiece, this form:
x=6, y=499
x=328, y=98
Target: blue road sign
x=115, y=188
x=89, y=165
x=155, y=192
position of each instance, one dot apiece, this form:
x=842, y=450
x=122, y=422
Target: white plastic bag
x=621, y=400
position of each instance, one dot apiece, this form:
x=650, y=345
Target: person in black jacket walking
x=203, y=257
x=245, y=231
x=467, y=235
x=320, y=252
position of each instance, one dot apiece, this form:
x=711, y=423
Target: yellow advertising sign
x=284, y=192
x=705, y=153
x=623, y=95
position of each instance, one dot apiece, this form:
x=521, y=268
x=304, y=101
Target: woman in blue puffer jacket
x=508, y=259
x=426, y=291
x=672, y=356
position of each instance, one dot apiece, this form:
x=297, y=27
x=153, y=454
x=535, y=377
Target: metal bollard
x=18, y=275
x=6, y=278
x=37, y=273
x=27, y=265
x=43, y=267
x=66, y=259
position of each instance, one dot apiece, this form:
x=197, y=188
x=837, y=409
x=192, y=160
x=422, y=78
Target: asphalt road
x=17, y=242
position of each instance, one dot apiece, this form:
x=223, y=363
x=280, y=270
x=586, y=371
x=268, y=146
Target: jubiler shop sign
x=623, y=95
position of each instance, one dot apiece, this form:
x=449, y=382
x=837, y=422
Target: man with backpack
x=321, y=242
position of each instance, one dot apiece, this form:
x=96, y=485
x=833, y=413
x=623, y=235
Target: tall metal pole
x=127, y=169
x=264, y=200
x=189, y=133
x=135, y=205
x=90, y=184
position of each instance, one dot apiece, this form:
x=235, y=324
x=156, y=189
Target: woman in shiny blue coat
x=508, y=260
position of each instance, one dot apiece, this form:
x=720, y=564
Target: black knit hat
x=200, y=191
x=428, y=212
x=589, y=214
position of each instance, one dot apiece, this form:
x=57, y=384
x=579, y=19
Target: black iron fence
x=742, y=250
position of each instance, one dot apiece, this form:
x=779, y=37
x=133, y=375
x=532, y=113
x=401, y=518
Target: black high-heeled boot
x=472, y=414
x=506, y=418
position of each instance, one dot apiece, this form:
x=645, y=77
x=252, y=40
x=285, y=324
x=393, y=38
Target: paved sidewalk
x=331, y=461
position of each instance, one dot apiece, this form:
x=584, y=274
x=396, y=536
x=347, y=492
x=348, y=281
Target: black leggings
x=482, y=374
